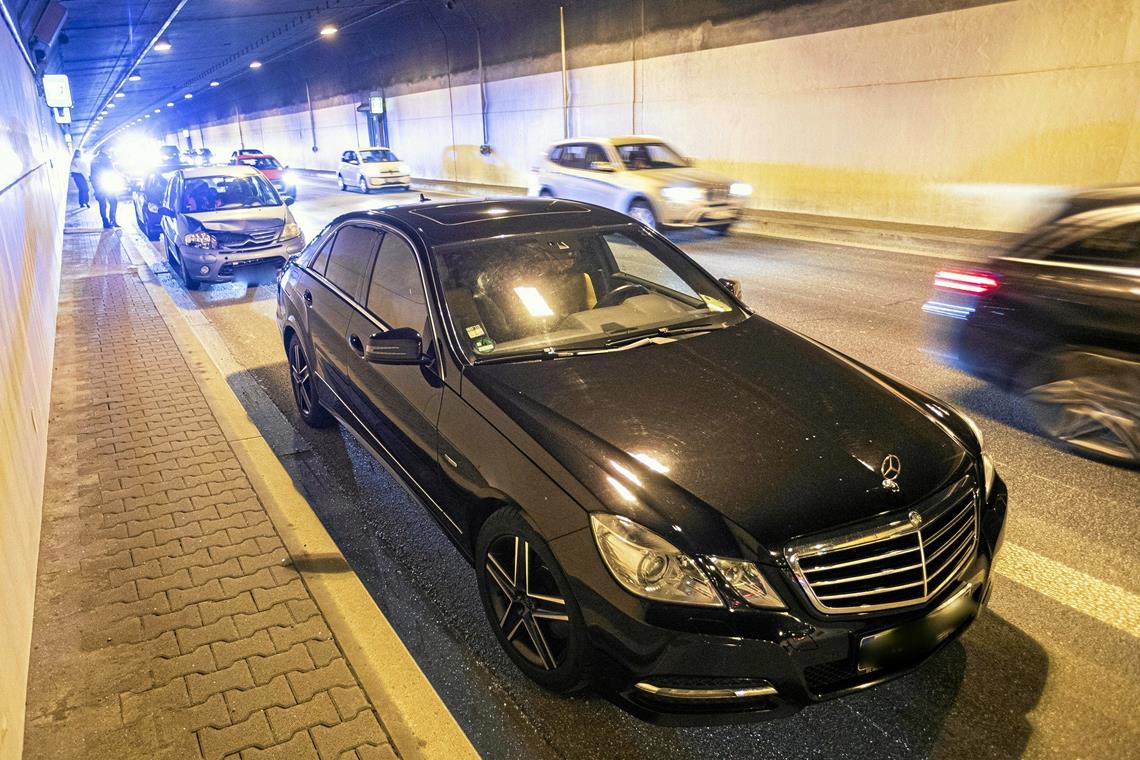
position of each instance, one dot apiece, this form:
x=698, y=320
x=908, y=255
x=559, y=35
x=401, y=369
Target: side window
x=574, y=156
x=350, y=257
x=593, y=153
x=396, y=293
x=321, y=260
x=1117, y=246
x=346, y=156
x=556, y=154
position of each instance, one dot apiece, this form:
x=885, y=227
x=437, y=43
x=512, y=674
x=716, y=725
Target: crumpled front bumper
x=225, y=265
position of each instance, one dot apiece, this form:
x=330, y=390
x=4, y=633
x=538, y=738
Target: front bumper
x=719, y=666
x=226, y=265
x=389, y=180
x=699, y=213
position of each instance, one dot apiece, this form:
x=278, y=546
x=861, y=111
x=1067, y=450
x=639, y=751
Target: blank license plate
x=902, y=646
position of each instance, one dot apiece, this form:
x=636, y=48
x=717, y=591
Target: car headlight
x=648, y=565
x=683, y=194
x=110, y=183
x=746, y=580
x=289, y=178
x=200, y=239
x=740, y=188
x=988, y=471
x=290, y=231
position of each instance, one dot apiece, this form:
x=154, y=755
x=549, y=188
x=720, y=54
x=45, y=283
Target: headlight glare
x=290, y=231
x=740, y=188
x=683, y=194
x=746, y=580
x=649, y=566
x=200, y=239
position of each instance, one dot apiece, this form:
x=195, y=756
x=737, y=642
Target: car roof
x=615, y=140
x=220, y=171
x=254, y=155
x=447, y=222
x=370, y=147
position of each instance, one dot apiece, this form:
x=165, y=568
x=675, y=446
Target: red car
x=278, y=175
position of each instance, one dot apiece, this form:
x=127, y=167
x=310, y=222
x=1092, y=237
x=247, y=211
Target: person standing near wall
x=80, y=168
x=106, y=180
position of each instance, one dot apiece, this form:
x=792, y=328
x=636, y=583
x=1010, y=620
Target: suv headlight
x=683, y=194
x=200, y=239
x=740, y=188
x=746, y=580
x=648, y=565
x=290, y=231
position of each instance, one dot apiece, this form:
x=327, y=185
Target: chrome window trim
x=377, y=321
x=899, y=527
x=1105, y=268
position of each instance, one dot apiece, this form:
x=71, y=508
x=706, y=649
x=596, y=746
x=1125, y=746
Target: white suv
x=643, y=177
x=369, y=168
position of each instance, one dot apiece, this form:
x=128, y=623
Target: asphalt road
x=1051, y=669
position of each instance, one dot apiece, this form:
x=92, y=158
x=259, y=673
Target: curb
x=411, y=711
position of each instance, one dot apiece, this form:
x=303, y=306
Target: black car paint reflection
x=717, y=449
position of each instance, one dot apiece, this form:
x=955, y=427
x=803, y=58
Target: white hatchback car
x=372, y=168
x=643, y=177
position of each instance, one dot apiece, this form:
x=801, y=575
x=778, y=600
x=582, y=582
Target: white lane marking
x=1105, y=602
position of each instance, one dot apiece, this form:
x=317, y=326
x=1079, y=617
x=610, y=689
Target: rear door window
x=1117, y=246
x=350, y=258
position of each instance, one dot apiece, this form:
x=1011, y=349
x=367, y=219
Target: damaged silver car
x=224, y=223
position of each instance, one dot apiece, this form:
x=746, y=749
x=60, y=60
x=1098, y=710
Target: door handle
x=357, y=345
x=308, y=298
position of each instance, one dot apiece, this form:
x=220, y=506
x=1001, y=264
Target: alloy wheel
x=530, y=611
x=363, y=185
x=301, y=379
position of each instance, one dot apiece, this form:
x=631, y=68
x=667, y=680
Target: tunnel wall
x=961, y=118
x=33, y=176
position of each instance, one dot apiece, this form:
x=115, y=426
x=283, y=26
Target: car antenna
x=424, y=198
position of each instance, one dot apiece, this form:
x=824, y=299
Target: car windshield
x=578, y=290
x=261, y=162
x=227, y=192
x=650, y=155
x=377, y=156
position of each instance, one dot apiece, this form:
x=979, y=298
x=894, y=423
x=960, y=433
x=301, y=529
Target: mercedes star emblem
x=890, y=470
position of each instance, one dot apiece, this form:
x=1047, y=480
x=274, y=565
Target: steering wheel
x=620, y=293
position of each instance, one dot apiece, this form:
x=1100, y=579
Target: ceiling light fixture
x=328, y=30
x=255, y=64
x=188, y=95
x=158, y=110
x=120, y=94
x=215, y=83
x=163, y=46
x=110, y=105
x=170, y=104
x=134, y=77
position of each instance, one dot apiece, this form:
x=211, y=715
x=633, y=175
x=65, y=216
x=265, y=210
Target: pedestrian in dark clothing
x=103, y=177
x=80, y=168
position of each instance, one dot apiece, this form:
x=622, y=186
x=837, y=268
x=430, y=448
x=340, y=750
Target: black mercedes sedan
x=1057, y=319
x=703, y=515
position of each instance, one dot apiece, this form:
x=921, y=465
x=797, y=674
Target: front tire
x=529, y=604
x=1090, y=403
x=718, y=230
x=179, y=265
x=363, y=186
x=305, y=387
x=643, y=212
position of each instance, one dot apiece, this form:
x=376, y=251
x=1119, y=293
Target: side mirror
x=602, y=166
x=290, y=200
x=166, y=211
x=400, y=345
x=734, y=287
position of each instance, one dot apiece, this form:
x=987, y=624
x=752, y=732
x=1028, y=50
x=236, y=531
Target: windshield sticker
x=484, y=345
x=715, y=305
x=475, y=331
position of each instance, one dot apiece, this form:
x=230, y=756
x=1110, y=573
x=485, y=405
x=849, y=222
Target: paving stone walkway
x=168, y=621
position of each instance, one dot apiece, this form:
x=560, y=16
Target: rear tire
x=304, y=387
x=718, y=230
x=529, y=604
x=643, y=212
x=545, y=193
x=340, y=183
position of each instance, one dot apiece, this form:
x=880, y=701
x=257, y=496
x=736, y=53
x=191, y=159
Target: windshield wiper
x=705, y=325
x=524, y=356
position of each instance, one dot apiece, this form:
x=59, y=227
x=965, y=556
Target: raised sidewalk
x=177, y=613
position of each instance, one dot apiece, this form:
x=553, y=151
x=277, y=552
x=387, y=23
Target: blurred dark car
x=1057, y=319
x=147, y=191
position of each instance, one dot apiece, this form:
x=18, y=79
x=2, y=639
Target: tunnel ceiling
x=380, y=43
